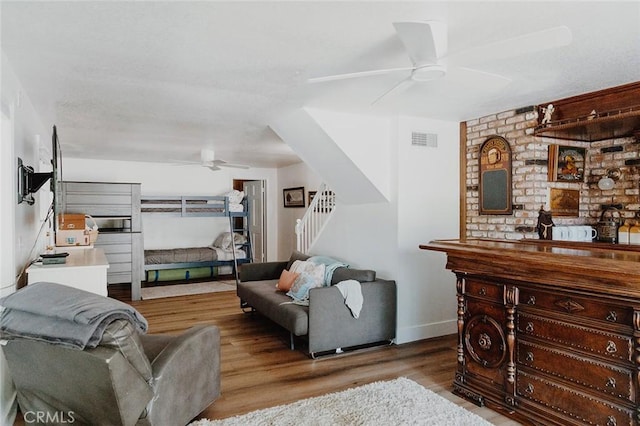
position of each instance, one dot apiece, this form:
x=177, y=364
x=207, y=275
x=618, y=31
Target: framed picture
x=495, y=176
x=566, y=163
x=311, y=195
x=293, y=197
x=564, y=202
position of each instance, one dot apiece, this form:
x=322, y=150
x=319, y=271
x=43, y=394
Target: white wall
x=385, y=236
x=292, y=176
x=428, y=209
x=168, y=179
x=20, y=240
x=365, y=140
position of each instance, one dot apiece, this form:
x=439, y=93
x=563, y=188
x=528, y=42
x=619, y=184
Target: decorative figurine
x=548, y=112
x=545, y=222
x=592, y=115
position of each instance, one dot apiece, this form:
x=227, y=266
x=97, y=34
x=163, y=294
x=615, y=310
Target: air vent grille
x=424, y=139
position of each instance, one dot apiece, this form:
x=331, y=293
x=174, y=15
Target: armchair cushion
x=121, y=336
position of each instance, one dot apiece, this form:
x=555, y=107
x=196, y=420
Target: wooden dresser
x=112, y=202
x=551, y=334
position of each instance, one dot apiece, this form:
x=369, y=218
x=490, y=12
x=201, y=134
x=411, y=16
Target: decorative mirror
x=495, y=176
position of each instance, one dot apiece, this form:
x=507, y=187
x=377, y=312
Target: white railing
x=310, y=226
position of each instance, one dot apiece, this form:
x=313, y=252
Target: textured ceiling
x=157, y=81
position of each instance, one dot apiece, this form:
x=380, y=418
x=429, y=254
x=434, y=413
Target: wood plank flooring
x=258, y=369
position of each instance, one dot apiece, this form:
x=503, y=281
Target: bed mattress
x=185, y=255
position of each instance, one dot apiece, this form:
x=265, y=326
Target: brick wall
x=529, y=177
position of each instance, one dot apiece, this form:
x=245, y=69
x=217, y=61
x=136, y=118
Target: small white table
x=84, y=269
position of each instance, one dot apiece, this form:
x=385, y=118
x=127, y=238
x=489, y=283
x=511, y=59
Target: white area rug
x=173, y=290
x=397, y=402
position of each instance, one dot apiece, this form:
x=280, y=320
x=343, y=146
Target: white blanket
x=352, y=293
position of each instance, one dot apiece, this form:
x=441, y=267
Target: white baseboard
x=426, y=331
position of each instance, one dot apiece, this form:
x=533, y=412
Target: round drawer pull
x=611, y=347
x=529, y=356
x=612, y=316
x=532, y=300
x=611, y=383
x=529, y=388
x=529, y=328
x=483, y=291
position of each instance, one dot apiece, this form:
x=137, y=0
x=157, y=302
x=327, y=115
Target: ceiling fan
x=208, y=159
x=426, y=45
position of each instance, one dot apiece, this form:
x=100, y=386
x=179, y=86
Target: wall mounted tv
x=29, y=181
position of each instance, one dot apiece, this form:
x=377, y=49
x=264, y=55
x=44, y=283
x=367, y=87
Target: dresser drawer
x=484, y=290
x=606, y=344
x=118, y=277
x=571, y=402
x=592, y=374
x=105, y=238
x=114, y=258
x=576, y=306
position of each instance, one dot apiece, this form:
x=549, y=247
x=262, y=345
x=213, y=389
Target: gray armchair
x=128, y=378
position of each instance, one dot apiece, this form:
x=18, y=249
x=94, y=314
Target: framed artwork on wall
x=293, y=197
x=566, y=163
x=564, y=202
x=312, y=194
x=495, y=176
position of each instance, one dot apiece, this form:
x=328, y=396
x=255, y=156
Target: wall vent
x=424, y=139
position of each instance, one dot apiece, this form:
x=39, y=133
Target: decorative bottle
x=634, y=234
x=623, y=234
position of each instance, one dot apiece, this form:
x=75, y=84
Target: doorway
x=256, y=203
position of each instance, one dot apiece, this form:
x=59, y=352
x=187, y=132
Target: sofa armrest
x=332, y=326
x=261, y=271
x=188, y=365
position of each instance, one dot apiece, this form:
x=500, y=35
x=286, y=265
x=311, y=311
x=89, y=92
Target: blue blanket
x=62, y=315
x=330, y=266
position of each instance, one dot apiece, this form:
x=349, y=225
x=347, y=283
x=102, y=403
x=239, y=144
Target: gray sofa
x=327, y=324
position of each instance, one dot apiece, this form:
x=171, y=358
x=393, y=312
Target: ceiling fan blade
x=222, y=163
x=235, y=166
x=538, y=41
x=476, y=78
x=425, y=41
x=213, y=167
x=402, y=84
x=357, y=74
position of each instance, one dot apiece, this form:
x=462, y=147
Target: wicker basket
x=92, y=230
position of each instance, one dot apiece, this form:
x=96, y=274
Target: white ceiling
x=157, y=81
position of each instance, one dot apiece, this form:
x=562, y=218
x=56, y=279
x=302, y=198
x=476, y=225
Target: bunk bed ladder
x=248, y=248
x=315, y=218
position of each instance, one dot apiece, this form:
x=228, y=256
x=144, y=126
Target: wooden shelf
x=608, y=125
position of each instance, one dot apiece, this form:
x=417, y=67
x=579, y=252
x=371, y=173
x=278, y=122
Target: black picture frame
x=293, y=197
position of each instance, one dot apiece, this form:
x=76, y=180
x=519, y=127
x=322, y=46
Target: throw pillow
x=224, y=241
x=311, y=276
x=296, y=255
x=300, y=288
x=286, y=280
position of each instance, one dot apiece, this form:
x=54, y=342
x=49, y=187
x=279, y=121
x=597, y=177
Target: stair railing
x=315, y=218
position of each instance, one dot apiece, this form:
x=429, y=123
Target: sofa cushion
x=296, y=255
x=362, y=275
x=275, y=305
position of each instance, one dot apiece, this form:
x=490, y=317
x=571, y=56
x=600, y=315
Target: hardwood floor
x=258, y=369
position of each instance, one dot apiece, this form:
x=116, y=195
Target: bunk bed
x=229, y=249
